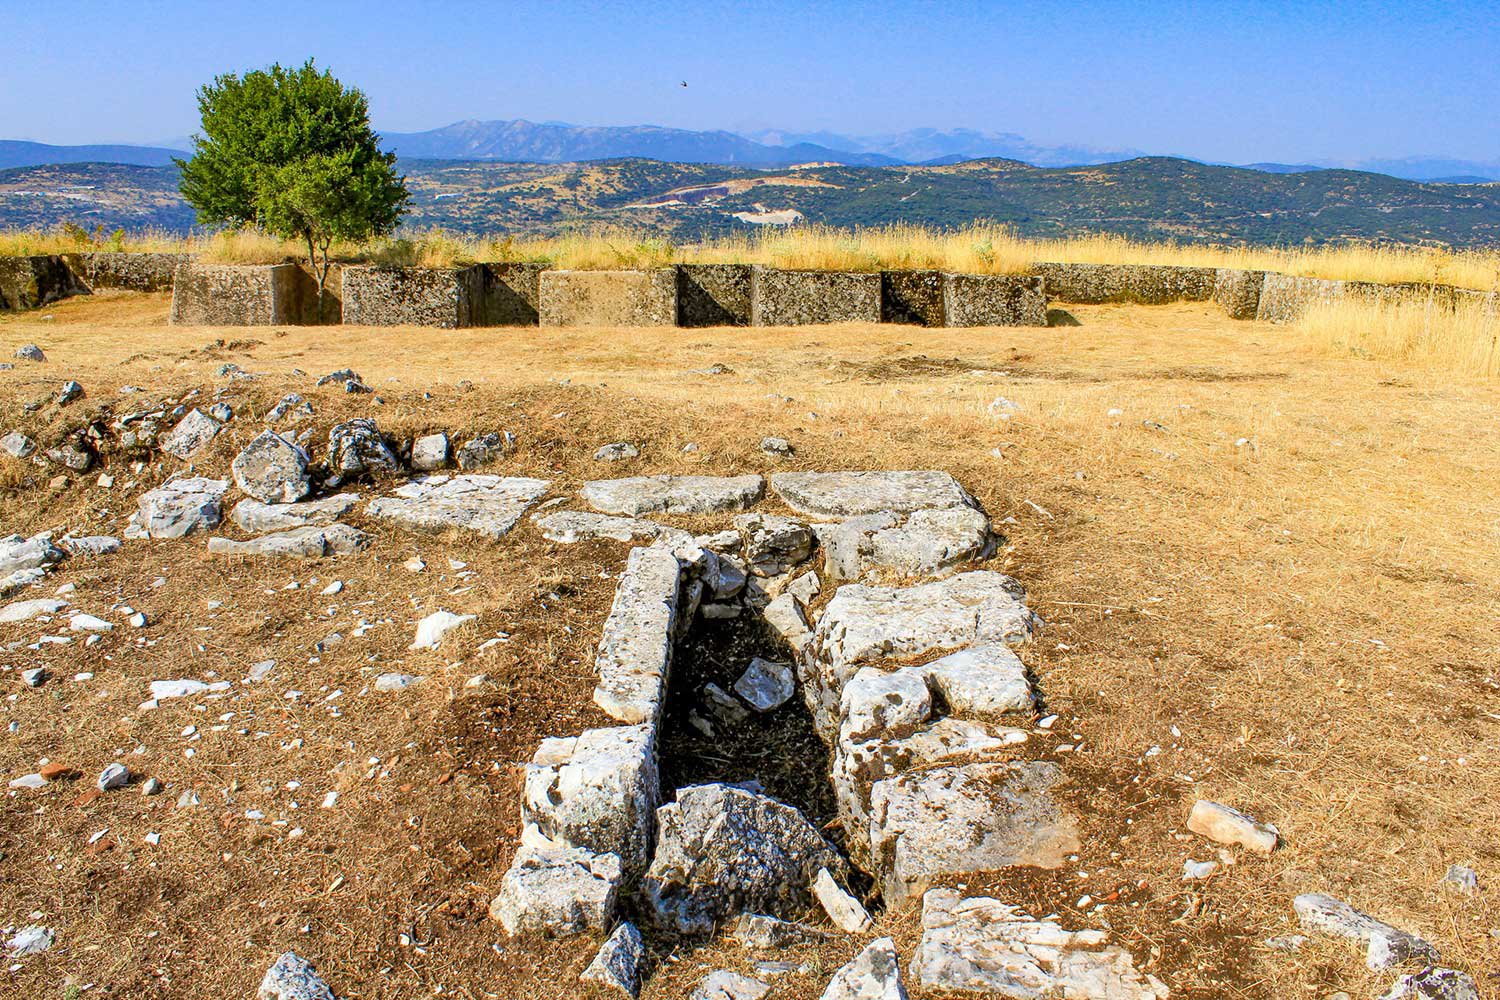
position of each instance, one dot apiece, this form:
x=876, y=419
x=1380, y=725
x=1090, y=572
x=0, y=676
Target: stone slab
x=635, y=647
x=133, y=272
x=489, y=505
x=237, y=295
x=1146, y=284
x=597, y=790
x=850, y=494
x=797, y=298
x=1238, y=291
x=609, y=298
x=713, y=294
x=443, y=297
x=994, y=300
x=639, y=495
x=510, y=294
x=556, y=892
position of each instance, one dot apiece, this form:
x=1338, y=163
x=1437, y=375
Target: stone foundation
x=1238, y=291
x=713, y=294
x=237, y=295
x=31, y=282
x=443, y=297
x=993, y=300
x=1147, y=284
x=131, y=272
x=797, y=298
x=914, y=297
x=609, y=298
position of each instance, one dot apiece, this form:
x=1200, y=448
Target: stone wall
x=237, y=294
x=713, y=294
x=994, y=300
x=609, y=298
x=1147, y=284
x=443, y=297
x=796, y=298
x=511, y=295
x=1238, y=291
x=912, y=297
x=1284, y=297
x=132, y=272
x=30, y=282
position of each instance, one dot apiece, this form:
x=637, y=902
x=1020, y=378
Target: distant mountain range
x=521, y=141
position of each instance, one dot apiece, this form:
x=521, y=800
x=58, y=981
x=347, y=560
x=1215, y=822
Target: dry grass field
x=1268, y=572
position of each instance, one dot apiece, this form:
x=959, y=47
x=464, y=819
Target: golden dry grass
x=980, y=249
x=1267, y=573
x=1417, y=332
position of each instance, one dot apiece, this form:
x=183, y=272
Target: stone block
x=713, y=294
x=444, y=297
x=237, y=295
x=1147, y=284
x=31, y=282
x=1238, y=291
x=994, y=300
x=609, y=298
x=914, y=297
x=796, y=298
x=510, y=294
x=132, y=272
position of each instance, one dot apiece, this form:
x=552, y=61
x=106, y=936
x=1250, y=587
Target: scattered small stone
x=35, y=677
x=432, y=629
x=1434, y=984
x=1286, y=942
x=779, y=447
x=756, y=930
x=292, y=978
x=32, y=940
x=18, y=445
x=616, y=452
x=32, y=781
x=116, y=775
x=1224, y=825
x=1192, y=870
x=1462, y=878
x=89, y=623
x=138, y=620
x=874, y=974
x=396, y=682
x=150, y=787
x=333, y=588
x=292, y=407
x=70, y=391
x=30, y=352
x=844, y=910
x=481, y=451
x=766, y=685
x=414, y=565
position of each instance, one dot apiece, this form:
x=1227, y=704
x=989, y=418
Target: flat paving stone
x=850, y=494
x=639, y=495
x=489, y=505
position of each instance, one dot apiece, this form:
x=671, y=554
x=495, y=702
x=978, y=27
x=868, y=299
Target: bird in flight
x=684, y=83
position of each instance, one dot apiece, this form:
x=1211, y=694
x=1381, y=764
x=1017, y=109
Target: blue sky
x=1286, y=81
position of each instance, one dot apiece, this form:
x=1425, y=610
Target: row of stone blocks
x=37, y=280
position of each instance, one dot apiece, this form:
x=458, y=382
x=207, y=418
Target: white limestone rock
x=557, y=892
x=873, y=974
x=192, y=433
x=639, y=495
x=567, y=527
x=850, y=494
x=635, y=647
x=620, y=962
x=597, y=790
x=272, y=469
x=983, y=945
x=846, y=912
x=312, y=542
x=432, y=629
x=1433, y=984
x=762, y=933
x=17, y=445
x=24, y=611
x=261, y=518
x=1386, y=945
x=766, y=685
x=489, y=505
x=722, y=851
x=985, y=681
x=722, y=984
x=179, y=507
x=772, y=544
x=355, y=448
x=292, y=978
x=1225, y=825
x=430, y=453
x=19, y=553
x=932, y=824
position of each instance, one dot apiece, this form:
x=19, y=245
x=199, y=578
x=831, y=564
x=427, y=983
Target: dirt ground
x=1269, y=578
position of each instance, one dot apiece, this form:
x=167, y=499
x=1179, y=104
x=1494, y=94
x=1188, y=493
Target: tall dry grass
x=1421, y=332
x=979, y=249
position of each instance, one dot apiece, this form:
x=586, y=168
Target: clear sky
x=1287, y=80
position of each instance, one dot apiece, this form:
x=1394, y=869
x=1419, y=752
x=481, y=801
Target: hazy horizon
x=1284, y=82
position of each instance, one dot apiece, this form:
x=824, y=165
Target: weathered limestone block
x=557, y=892
x=272, y=469
x=444, y=297
x=722, y=851
x=873, y=974
x=713, y=294
x=673, y=494
x=609, y=298
x=597, y=790
x=1147, y=284
x=134, y=272
x=931, y=824
x=1225, y=825
x=984, y=681
x=772, y=544
x=1238, y=291
x=867, y=625
x=795, y=298
x=510, y=294
x=236, y=294
x=260, y=518
x=913, y=297
x=1390, y=945
x=620, y=962
x=994, y=300
x=983, y=945
x=568, y=527
x=1284, y=297
x=489, y=505
x=178, y=507
x=850, y=494
x=925, y=543
x=356, y=448
x=635, y=647
x=19, y=554
x=195, y=430
x=312, y=542
x=31, y=282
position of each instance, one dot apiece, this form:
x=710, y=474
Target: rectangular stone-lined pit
x=797, y=298
x=994, y=300
x=1145, y=284
x=609, y=298
x=713, y=294
x=443, y=297
x=31, y=282
x=237, y=294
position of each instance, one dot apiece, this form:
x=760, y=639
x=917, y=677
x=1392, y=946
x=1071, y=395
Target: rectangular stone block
x=1285, y=297
x=914, y=297
x=609, y=298
x=1238, y=291
x=713, y=294
x=237, y=294
x=444, y=297
x=30, y=282
x=1147, y=284
x=797, y=298
x=511, y=294
x=132, y=272
x=993, y=300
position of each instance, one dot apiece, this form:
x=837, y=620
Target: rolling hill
x=1150, y=198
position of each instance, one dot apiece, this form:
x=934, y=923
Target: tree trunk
x=312, y=265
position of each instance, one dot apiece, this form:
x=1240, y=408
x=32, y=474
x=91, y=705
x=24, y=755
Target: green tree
x=292, y=151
